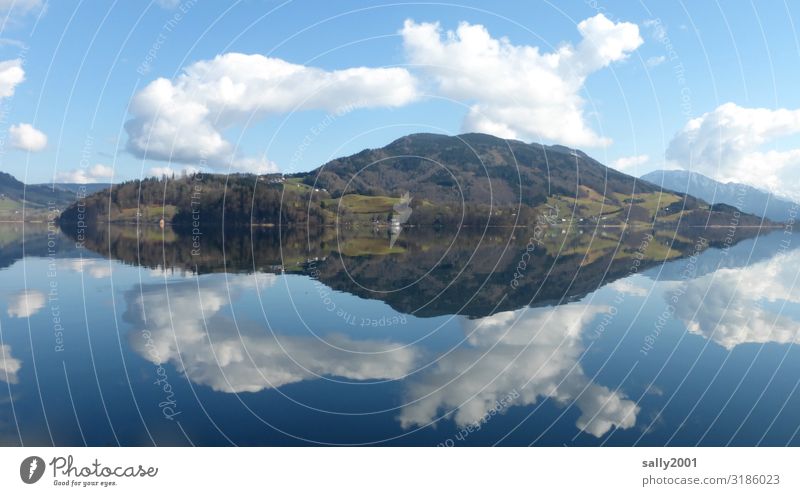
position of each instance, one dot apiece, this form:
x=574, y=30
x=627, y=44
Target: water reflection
x=531, y=353
x=24, y=303
x=186, y=323
x=753, y=304
x=283, y=337
x=9, y=366
x=427, y=272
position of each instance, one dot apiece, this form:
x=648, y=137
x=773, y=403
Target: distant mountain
x=746, y=198
x=75, y=187
x=36, y=196
x=36, y=199
x=39, y=195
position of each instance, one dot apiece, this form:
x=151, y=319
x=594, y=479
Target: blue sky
x=83, y=66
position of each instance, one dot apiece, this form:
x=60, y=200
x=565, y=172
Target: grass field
x=359, y=204
x=33, y=213
x=651, y=201
x=151, y=212
x=297, y=184
x=7, y=205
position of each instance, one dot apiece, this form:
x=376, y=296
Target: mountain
x=42, y=196
x=75, y=187
x=507, y=176
x=469, y=180
x=37, y=198
x=746, y=198
x=476, y=167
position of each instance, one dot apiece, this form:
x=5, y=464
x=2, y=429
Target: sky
x=105, y=91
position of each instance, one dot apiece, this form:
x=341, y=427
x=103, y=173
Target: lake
x=559, y=336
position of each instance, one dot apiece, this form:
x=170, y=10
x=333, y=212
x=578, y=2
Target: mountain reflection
x=426, y=272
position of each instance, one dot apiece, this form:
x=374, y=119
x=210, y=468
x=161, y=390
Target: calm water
x=422, y=338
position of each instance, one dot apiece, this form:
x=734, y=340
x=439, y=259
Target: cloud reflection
x=744, y=305
x=25, y=303
x=9, y=366
x=536, y=356
x=215, y=353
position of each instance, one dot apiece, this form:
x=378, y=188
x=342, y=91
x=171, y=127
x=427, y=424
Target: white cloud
x=744, y=305
x=170, y=171
x=11, y=74
x=727, y=144
x=26, y=137
x=187, y=329
x=536, y=356
x=655, y=61
x=518, y=91
x=630, y=163
x=97, y=173
x=9, y=366
x=183, y=120
x=25, y=303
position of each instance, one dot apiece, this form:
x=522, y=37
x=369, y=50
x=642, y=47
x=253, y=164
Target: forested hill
x=479, y=168
x=472, y=179
x=208, y=198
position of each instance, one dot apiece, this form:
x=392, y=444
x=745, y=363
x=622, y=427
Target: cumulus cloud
x=98, y=173
x=536, y=357
x=11, y=74
x=520, y=91
x=213, y=350
x=737, y=306
x=26, y=137
x=183, y=120
x=630, y=163
x=9, y=366
x=729, y=143
x=25, y=303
